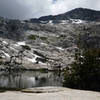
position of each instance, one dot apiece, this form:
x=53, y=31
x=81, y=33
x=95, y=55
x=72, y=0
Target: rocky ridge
x=45, y=44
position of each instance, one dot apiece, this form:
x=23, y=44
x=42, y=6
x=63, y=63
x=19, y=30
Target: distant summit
x=83, y=14
x=78, y=13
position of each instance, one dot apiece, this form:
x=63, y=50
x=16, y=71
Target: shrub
x=33, y=37
x=43, y=38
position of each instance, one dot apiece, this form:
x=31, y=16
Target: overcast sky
x=25, y=9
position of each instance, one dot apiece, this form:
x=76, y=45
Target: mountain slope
x=47, y=45
x=78, y=13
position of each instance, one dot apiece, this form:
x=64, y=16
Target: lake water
x=29, y=79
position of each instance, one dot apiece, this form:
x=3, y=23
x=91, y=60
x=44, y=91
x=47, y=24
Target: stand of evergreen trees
x=84, y=73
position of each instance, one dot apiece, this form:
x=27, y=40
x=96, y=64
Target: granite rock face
x=46, y=44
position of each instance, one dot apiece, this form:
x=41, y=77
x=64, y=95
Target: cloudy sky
x=25, y=9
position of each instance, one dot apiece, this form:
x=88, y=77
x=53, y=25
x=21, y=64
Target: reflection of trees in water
x=55, y=79
x=10, y=79
x=28, y=79
x=42, y=81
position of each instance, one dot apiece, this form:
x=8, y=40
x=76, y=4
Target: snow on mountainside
x=78, y=13
x=75, y=21
x=48, y=43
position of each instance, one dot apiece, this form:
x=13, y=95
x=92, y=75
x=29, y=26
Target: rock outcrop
x=47, y=44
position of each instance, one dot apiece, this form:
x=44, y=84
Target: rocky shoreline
x=50, y=93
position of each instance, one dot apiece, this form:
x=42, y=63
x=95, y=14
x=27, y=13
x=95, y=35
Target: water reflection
x=28, y=79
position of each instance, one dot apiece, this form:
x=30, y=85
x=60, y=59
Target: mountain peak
x=78, y=13
x=81, y=8
x=83, y=14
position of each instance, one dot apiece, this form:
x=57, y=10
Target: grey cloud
x=24, y=9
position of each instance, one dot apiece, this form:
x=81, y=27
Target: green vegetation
x=34, y=37
x=43, y=70
x=43, y=38
x=85, y=71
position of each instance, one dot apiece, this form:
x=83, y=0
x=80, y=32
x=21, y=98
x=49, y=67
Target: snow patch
x=16, y=45
x=33, y=60
x=42, y=63
x=50, y=22
x=6, y=54
x=60, y=48
x=63, y=21
x=44, y=44
x=21, y=43
x=43, y=22
x=4, y=42
x=23, y=22
x=77, y=21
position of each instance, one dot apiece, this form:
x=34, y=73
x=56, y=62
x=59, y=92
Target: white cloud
x=62, y=6
x=24, y=9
